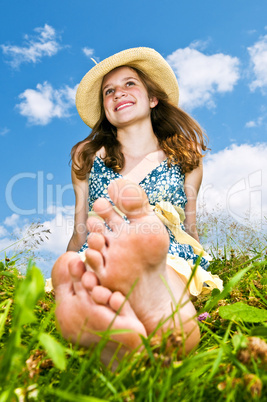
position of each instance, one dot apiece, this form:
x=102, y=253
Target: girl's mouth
x=123, y=105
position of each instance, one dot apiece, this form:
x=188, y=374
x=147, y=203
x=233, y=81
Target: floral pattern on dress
x=162, y=183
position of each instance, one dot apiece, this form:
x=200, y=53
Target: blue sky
x=218, y=51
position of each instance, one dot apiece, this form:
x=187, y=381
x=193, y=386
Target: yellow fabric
x=172, y=216
x=196, y=286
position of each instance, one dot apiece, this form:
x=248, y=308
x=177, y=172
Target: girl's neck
x=137, y=140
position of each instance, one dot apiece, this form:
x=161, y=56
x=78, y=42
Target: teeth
x=125, y=104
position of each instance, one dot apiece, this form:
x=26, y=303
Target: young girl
x=141, y=167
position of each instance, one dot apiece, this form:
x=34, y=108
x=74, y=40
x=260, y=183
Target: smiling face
x=125, y=97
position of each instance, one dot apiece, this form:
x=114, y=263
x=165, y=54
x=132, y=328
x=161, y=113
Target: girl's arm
x=192, y=184
x=81, y=213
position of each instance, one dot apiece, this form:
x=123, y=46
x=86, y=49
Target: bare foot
x=135, y=253
x=84, y=307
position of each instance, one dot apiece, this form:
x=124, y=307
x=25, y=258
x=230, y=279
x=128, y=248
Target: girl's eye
x=108, y=91
x=130, y=83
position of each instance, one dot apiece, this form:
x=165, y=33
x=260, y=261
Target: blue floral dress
x=163, y=183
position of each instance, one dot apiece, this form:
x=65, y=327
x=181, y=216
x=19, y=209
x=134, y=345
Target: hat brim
x=145, y=59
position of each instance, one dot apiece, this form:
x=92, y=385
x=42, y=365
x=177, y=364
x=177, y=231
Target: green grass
x=36, y=364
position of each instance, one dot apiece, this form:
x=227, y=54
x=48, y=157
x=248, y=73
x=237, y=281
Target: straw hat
x=145, y=59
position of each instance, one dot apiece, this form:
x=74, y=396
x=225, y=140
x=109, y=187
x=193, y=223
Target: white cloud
x=260, y=121
x=255, y=123
x=40, y=106
x=88, y=52
x=258, y=57
x=251, y=124
x=201, y=76
x=236, y=179
x=4, y=244
x=3, y=231
x=11, y=220
x=4, y=131
x=199, y=44
x=61, y=227
x=252, y=31
x=34, y=48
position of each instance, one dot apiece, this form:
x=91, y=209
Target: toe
x=76, y=270
x=106, y=211
x=96, y=225
x=60, y=272
x=118, y=302
x=101, y=295
x=94, y=261
x=89, y=280
x=96, y=241
x=129, y=198
x=127, y=317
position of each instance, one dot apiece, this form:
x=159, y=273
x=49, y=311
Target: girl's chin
x=125, y=121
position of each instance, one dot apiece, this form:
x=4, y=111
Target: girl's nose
x=119, y=92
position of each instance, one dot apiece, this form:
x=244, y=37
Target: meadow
x=230, y=363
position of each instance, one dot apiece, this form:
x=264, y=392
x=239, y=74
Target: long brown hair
x=179, y=136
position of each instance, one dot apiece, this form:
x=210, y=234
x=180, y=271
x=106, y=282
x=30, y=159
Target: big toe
x=129, y=198
x=60, y=271
x=76, y=269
